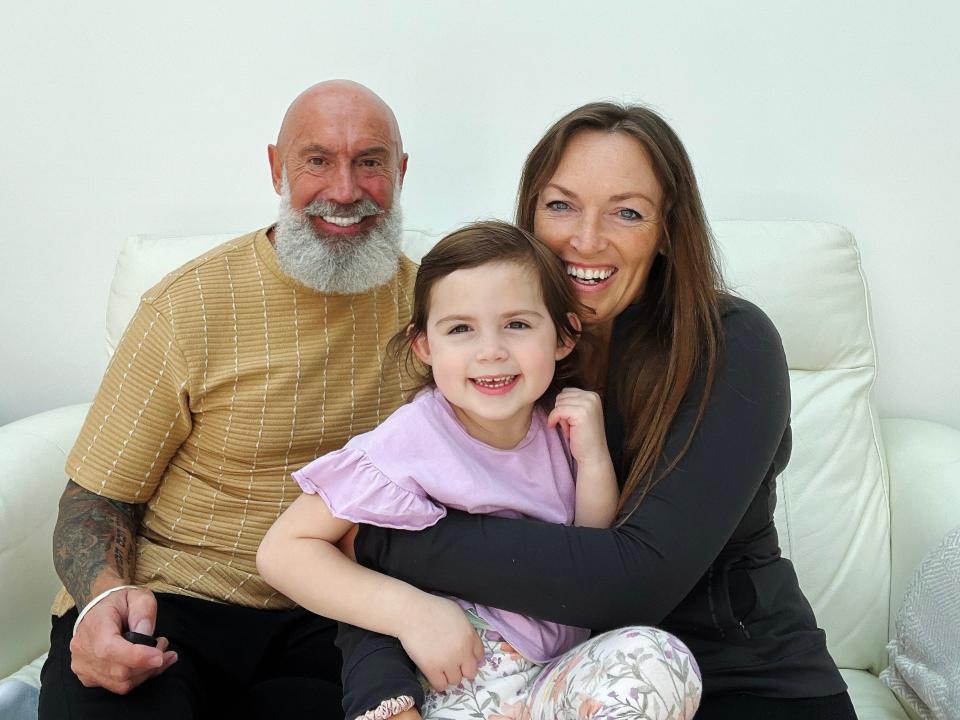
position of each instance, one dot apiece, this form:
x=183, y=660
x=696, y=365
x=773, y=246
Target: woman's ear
x=565, y=345
x=419, y=345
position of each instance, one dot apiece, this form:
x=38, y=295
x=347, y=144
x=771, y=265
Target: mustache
x=361, y=208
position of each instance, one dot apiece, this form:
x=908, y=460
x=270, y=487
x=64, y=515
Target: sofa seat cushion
x=871, y=698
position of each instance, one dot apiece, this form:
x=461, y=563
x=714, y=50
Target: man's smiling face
x=338, y=165
x=340, y=150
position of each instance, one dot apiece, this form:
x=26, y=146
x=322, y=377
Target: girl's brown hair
x=677, y=334
x=485, y=243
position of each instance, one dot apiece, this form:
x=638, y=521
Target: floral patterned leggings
x=639, y=673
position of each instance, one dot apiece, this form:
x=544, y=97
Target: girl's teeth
x=495, y=382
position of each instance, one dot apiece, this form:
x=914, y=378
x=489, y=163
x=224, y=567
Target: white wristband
x=98, y=598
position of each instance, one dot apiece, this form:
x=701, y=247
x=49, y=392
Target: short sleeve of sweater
x=140, y=415
x=355, y=489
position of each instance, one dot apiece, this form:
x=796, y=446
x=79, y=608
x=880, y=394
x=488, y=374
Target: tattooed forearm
x=93, y=536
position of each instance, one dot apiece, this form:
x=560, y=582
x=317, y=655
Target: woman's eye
x=517, y=325
x=558, y=205
x=628, y=214
x=457, y=329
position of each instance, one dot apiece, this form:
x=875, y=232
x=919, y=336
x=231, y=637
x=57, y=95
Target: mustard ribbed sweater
x=230, y=376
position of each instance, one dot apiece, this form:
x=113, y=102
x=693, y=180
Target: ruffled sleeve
x=356, y=490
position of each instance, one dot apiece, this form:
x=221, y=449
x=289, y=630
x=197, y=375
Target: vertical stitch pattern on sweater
x=323, y=374
x=378, y=343
x=296, y=397
x=353, y=368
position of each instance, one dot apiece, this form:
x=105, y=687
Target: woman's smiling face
x=601, y=213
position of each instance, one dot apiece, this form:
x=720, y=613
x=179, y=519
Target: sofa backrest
x=832, y=508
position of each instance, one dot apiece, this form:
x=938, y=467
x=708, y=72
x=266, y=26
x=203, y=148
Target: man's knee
x=170, y=695
x=174, y=693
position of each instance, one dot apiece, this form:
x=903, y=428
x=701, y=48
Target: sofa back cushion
x=832, y=509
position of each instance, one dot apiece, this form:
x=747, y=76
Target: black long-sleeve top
x=699, y=557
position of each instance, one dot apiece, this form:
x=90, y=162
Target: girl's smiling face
x=600, y=212
x=492, y=347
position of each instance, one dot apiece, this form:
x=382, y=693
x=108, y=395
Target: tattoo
x=93, y=534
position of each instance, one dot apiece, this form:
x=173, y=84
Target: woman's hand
x=441, y=642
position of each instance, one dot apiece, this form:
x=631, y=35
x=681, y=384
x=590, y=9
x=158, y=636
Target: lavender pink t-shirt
x=403, y=473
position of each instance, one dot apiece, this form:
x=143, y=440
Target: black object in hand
x=139, y=638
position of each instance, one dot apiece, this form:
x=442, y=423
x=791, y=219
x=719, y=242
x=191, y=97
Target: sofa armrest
x=32, y=455
x=923, y=459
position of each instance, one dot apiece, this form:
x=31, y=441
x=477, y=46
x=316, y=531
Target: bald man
x=237, y=369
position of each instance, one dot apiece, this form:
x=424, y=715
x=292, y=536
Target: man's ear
x=276, y=167
x=420, y=346
x=403, y=168
x=565, y=345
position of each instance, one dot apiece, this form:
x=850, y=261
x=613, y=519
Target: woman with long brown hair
x=697, y=413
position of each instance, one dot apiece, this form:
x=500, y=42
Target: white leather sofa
x=862, y=501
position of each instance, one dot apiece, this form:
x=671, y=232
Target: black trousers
x=232, y=662
x=753, y=707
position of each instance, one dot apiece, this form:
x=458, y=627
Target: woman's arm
x=640, y=571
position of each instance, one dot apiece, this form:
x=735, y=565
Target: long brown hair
x=677, y=334
x=493, y=242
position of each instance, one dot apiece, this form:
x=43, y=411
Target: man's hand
x=94, y=549
x=102, y=658
x=442, y=642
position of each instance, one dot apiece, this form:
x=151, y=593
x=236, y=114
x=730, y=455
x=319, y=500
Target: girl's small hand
x=580, y=414
x=442, y=642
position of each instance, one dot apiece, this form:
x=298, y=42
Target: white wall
x=119, y=118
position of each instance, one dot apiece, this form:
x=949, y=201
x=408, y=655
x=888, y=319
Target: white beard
x=332, y=263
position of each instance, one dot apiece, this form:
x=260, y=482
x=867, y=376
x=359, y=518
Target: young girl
x=489, y=431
